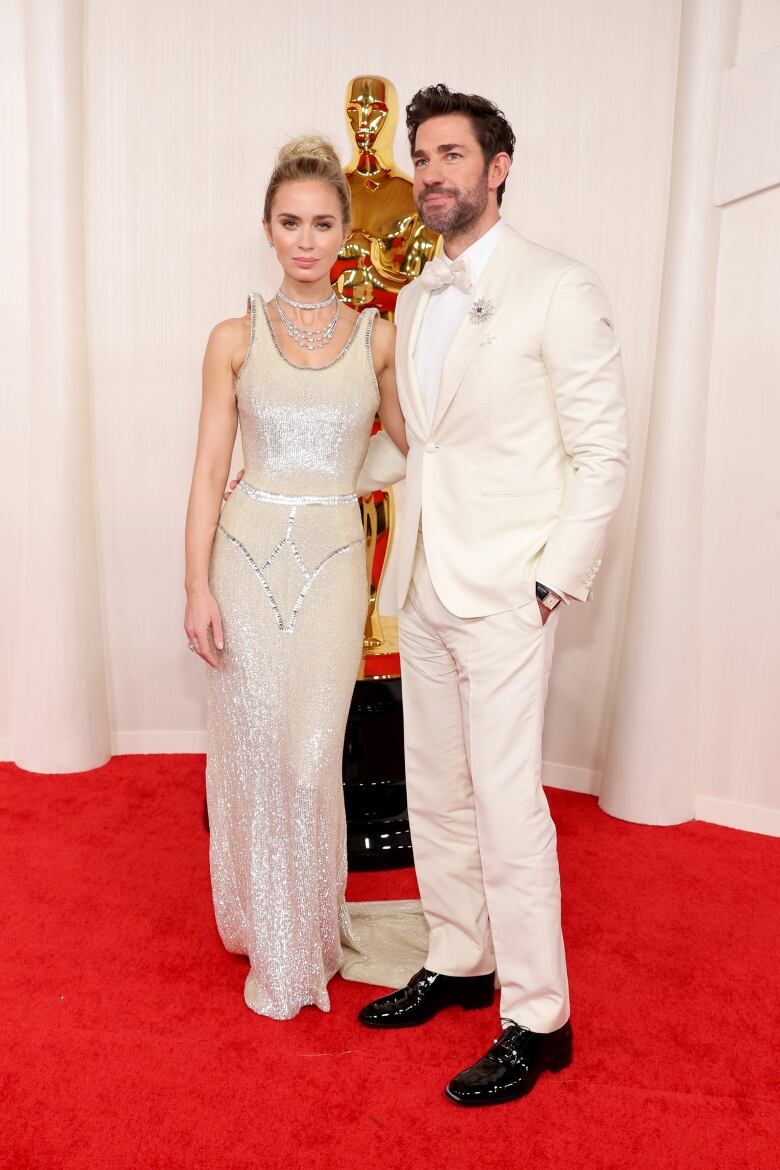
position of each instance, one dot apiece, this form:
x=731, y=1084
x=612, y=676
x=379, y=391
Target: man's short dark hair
x=490, y=127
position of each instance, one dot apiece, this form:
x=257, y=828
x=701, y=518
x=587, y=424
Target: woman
x=276, y=586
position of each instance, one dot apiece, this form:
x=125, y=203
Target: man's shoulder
x=545, y=273
x=544, y=260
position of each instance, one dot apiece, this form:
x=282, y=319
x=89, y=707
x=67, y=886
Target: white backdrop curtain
x=183, y=106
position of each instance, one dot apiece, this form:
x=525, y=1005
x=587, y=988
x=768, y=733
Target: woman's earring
x=270, y=243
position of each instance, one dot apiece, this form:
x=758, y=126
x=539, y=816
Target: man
x=510, y=380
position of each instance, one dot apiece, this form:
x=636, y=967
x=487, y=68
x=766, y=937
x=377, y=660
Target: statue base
x=373, y=770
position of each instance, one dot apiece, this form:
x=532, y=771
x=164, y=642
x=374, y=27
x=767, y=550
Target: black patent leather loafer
x=512, y=1066
x=425, y=994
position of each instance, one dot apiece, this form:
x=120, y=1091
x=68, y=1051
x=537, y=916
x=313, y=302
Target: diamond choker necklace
x=306, y=304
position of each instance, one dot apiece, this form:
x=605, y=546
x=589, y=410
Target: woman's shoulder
x=384, y=331
x=231, y=334
x=383, y=335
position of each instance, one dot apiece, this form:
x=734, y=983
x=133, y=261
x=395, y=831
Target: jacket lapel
x=499, y=285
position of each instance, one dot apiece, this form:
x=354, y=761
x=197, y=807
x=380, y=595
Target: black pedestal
x=374, y=779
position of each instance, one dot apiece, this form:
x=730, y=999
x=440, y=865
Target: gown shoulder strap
x=251, y=308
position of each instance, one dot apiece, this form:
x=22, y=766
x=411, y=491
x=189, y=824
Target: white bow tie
x=439, y=272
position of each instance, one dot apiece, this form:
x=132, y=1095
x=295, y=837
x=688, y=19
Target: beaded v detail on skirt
x=309, y=575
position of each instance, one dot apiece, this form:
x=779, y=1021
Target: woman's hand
x=231, y=487
x=202, y=614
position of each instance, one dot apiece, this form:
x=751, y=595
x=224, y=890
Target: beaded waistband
x=275, y=498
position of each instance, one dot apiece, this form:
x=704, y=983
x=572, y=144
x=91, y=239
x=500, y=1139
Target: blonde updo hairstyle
x=305, y=159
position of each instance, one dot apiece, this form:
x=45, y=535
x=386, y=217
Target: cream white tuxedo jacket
x=523, y=464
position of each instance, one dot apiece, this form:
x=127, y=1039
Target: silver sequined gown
x=288, y=572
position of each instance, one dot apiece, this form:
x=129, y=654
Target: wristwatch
x=548, y=599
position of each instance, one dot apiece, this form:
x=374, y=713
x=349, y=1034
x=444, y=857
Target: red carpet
x=126, y=1044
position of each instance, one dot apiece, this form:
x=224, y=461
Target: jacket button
x=431, y=447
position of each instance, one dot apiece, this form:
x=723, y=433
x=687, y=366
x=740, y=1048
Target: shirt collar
x=478, y=254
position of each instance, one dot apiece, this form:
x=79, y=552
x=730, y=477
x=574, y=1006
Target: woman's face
x=306, y=229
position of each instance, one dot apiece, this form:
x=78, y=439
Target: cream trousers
x=484, y=841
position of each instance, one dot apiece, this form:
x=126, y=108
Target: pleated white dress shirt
x=444, y=312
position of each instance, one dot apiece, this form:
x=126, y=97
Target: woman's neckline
x=296, y=365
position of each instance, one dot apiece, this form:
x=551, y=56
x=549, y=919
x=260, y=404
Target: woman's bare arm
x=383, y=353
x=225, y=352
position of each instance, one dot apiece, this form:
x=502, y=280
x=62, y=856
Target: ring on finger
x=192, y=645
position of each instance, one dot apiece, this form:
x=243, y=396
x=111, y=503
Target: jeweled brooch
x=481, y=311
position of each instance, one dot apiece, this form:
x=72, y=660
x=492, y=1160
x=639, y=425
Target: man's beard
x=451, y=220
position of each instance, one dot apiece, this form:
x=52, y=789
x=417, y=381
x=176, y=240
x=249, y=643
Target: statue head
x=372, y=111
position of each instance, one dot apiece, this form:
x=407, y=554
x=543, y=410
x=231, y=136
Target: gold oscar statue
x=389, y=244
x=387, y=247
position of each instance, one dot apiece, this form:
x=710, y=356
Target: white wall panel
x=14, y=337
x=749, y=148
x=759, y=27
x=738, y=774
x=739, y=728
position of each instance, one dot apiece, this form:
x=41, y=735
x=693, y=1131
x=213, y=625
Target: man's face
x=450, y=175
